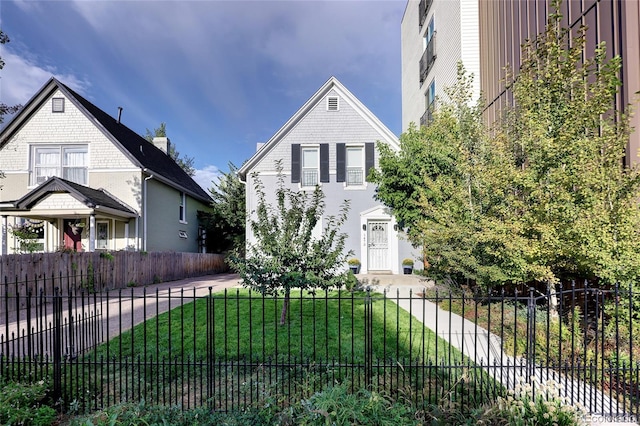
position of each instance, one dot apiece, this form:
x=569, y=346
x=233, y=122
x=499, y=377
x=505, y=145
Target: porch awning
x=59, y=197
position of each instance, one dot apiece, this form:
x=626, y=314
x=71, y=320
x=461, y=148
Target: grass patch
x=228, y=351
x=324, y=326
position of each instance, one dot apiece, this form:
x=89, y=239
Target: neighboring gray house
x=331, y=141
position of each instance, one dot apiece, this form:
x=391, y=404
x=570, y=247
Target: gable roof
x=331, y=84
x=140, y=151
x=92, y=198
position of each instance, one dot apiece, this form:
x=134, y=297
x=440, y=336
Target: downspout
x=144, y=212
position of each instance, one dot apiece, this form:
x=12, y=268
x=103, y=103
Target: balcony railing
x=423, y=9
x=427, y=117
x=428, y=57
x=309, y=177
x=355, y=176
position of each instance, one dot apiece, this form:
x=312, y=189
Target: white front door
x=378, y=246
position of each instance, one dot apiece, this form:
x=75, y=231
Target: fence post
x=531, y=334
x=368, y=337
x=57, y=344
x=210, y=352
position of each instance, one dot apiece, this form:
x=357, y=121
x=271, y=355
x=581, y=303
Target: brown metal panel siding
x=629, y=14
x=592, y=32
x=575, y=11
x=605, y=26
x=541, y=17
x=517, y=30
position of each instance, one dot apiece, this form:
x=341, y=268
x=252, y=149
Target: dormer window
x=57, y=105
x=332, y=103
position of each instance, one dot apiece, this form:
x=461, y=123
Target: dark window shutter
x=295, y=163
x=369, y=158
x=324, y=162
x=341, y=163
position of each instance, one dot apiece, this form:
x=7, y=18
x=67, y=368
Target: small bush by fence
x=227, y=352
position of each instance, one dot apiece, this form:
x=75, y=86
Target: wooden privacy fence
x=98, y=271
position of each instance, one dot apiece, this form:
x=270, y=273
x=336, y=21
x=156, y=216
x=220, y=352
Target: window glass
x=102, y=235
x=431, y=93
x=183, y=207
x=75, y=164
x=310, y=166
x=67, y=162
x=355, y=165
x=47, y=164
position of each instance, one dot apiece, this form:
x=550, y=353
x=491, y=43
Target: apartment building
x=506, y=24
x=486, y=35
x=436, y=34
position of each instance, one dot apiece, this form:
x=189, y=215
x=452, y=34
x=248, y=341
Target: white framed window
x=102, y=235
x=355, y=165
x=70, y=162
x=310, y=165
x=332, y=103
x=57, y=105
x=183, y=208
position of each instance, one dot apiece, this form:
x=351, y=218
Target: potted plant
x=407, y=266
x=354, y=265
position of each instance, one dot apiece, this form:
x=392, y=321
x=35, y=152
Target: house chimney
x=119, y=114
x=163, y=143
x=259, y=145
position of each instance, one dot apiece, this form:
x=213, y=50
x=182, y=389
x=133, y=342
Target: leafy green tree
x=26, y=237
x=577, y=199
x=186, y=163
x=4, y=108
x=226, y=223
x=286, y=255
x=545, y=196
x=447, y=185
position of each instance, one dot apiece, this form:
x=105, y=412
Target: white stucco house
x=84, y=181
x=331, y=141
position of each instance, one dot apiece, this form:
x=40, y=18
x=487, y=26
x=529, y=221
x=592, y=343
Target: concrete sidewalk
x=125, y=308
x=485, y=349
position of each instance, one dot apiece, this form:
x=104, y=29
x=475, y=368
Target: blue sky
x=223, y=75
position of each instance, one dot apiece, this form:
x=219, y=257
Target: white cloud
x=27, y=77
x=205, y=176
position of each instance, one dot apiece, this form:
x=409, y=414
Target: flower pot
x=355, y=269
x=407, y=270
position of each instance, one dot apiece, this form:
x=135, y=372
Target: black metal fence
x=226, y=350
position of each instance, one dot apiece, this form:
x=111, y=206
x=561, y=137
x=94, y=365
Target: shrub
x=523, y=406
x=25, y=404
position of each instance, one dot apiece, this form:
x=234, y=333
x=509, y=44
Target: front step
x=383, y=280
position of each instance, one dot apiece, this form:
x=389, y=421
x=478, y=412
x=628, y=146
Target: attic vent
x=332, y=103
x=57, y=105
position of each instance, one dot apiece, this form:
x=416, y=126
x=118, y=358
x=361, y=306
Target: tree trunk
x=285, y=307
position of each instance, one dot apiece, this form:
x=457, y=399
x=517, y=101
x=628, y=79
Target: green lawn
x=229, y=351
x=329, y=326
